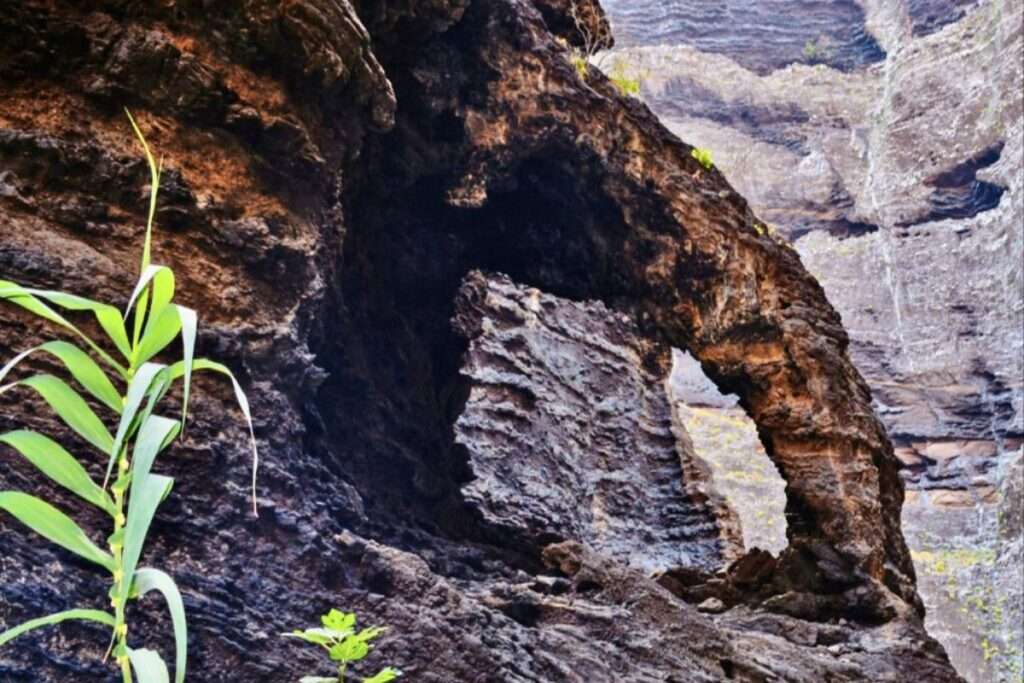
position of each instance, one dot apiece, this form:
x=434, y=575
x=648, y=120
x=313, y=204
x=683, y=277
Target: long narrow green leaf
x=51, y=459
x=148, y=666
x=83, y=368
x=146, y=497
x=137, y=390
x=160, y=331
x=154, y=187
x=189, y=325
x=71, y=614
x=177, y=370
x=54, y=525
x=162, y=279
x=153, y=434
x=108, y=317
x=70, y=407
x=148, y=579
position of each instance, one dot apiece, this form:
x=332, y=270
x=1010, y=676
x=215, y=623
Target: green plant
x=344, y=645
x=818, y=50
x=579, y=62
x=133, y=496
x=627, y=84
x=704, y=157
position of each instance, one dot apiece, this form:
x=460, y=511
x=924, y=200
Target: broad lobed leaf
x=383, y=676
x=349, y=650
x=336, y=620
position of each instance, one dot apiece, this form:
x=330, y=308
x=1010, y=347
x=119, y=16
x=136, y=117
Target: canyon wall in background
x=883, y=139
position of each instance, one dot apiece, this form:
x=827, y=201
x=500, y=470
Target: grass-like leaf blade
x=71, y=614
x=52, y=460
x=108, y=317
x=148, y=666
x=189, y=327
x=148, y=579
x=154, y=187
x=54, y=525
x=70, y=407
x=83, y=368
x=146, y=496
x=160, y=331
x=162, y=279
x=137, y=390
x=154, y=433
x=178, y=370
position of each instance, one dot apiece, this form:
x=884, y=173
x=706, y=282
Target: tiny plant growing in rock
x=130, y=388
x=818, y=50
x=703, y=156
x=344, y=645
x=626, y=83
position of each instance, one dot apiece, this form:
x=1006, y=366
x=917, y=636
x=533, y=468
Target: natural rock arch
x=598, y=202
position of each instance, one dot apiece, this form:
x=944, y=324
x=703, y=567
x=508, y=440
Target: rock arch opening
x=726, y=440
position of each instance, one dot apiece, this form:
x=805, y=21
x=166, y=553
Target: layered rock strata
x=899, y=183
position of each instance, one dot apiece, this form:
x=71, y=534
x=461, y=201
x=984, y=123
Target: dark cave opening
x=394, y=390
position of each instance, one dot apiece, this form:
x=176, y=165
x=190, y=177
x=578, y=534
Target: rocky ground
x=422, y=235
x=884, y=141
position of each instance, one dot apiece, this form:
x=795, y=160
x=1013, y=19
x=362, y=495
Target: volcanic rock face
x=899, y=184
x=334, y=171
x=570, y=435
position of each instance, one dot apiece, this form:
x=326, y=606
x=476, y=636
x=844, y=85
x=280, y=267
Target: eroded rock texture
x=569, y=434
x=333, y=172
x=899, y=183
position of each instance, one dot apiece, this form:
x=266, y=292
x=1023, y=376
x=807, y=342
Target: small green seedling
x=344, y=645
x=704, y=157
x=129, y=386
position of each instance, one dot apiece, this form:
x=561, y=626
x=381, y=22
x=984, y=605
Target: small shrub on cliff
x=579, y=62
x=344, y=645
x=130, y=388
x=703, y=156
x=626, y=83
x=819, y=50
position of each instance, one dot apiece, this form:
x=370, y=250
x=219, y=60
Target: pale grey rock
x=569, y=433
